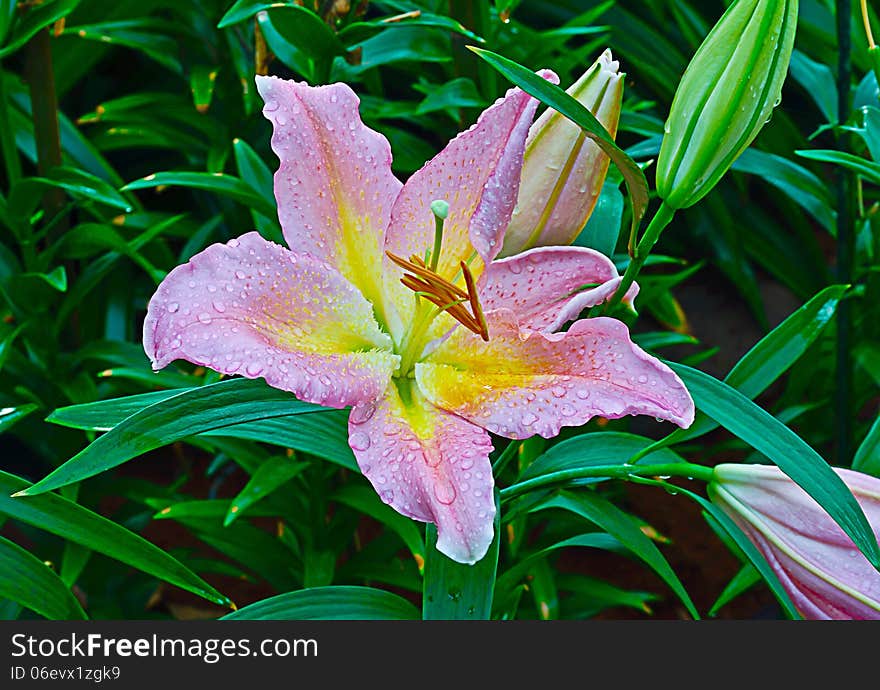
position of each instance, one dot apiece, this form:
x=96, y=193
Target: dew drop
x=205, y=317
x=362, y=413
x=359, y=441
x=444, y=492
x=173, y=307
x=218, y=307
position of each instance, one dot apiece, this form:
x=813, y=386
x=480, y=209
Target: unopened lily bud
x=563, y=171
x=821, y=569
x=727, y=93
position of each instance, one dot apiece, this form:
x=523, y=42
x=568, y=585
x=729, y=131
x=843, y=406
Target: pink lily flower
x=384, y=305
x=820, y=567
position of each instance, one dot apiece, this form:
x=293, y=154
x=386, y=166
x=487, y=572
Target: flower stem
x=44, y=111
x=652, y=233
x=845, y=246
x=7, y=137
x=625, y=471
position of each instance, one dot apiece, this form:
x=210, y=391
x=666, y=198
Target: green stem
x=44, y=109
x=642, y=250
x=7, y=137
x=506, y=456
x=845, y=247
x=626, y=471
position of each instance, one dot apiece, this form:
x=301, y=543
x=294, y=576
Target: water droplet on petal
x=173, y=307
x=528, y=419
x=219, y=307
x=362, y=413
x=205, y=317
x=359, y=441
x=444, y=491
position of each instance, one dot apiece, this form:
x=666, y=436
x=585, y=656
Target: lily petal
x=544, y=287
x=334, y=186
x=477, y=174
x=428, y=465
x=254, y=308
x=525, y=382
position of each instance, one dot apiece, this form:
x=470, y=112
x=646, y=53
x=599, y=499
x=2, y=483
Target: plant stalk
x=40, y=76
x=11, y=160
x=676, y=469
x=845, y=246
x=641, y=252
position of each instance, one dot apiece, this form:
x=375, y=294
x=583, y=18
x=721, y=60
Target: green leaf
x=217, y=183
x=30, y=582
x=322, y=432
x=68, y=520
x=269, y=476
x=458, y=93
x=868, y=170
x=622, y=526
x=357, y=32
x=253, y=171
x=568, y=106
x=597, y=448
x=364, y=499
x=304, y=29
x=190, y=412
x=763, y=432
x=509, y=580
x=106, y=414
x=330, y=603
x=771, y=357
x=745, y=578
x=867, y=458
x=80, y=184
x=56, y=278
x=818, y=81
x=603, y=226
x=201, y=83
x=801, y=185
x=243, y=10
x=35, y=19
x=11, y=415
x=456, y=591
x=149, y=36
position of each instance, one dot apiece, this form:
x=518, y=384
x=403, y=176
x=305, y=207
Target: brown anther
x=443, y=294
x=475, y=303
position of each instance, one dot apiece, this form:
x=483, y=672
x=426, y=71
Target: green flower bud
x=726, y=95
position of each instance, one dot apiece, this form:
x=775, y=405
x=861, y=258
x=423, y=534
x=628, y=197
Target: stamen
x=447, y=296
x=475, y=303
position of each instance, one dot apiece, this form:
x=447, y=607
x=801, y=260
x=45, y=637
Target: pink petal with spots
x=254, y=308
x=334, y=186
x=545, y=287
x=428, y=465
x=525, y=382
x=477, y=174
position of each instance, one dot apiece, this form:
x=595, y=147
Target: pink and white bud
x=563, y=171
x=820, y=567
